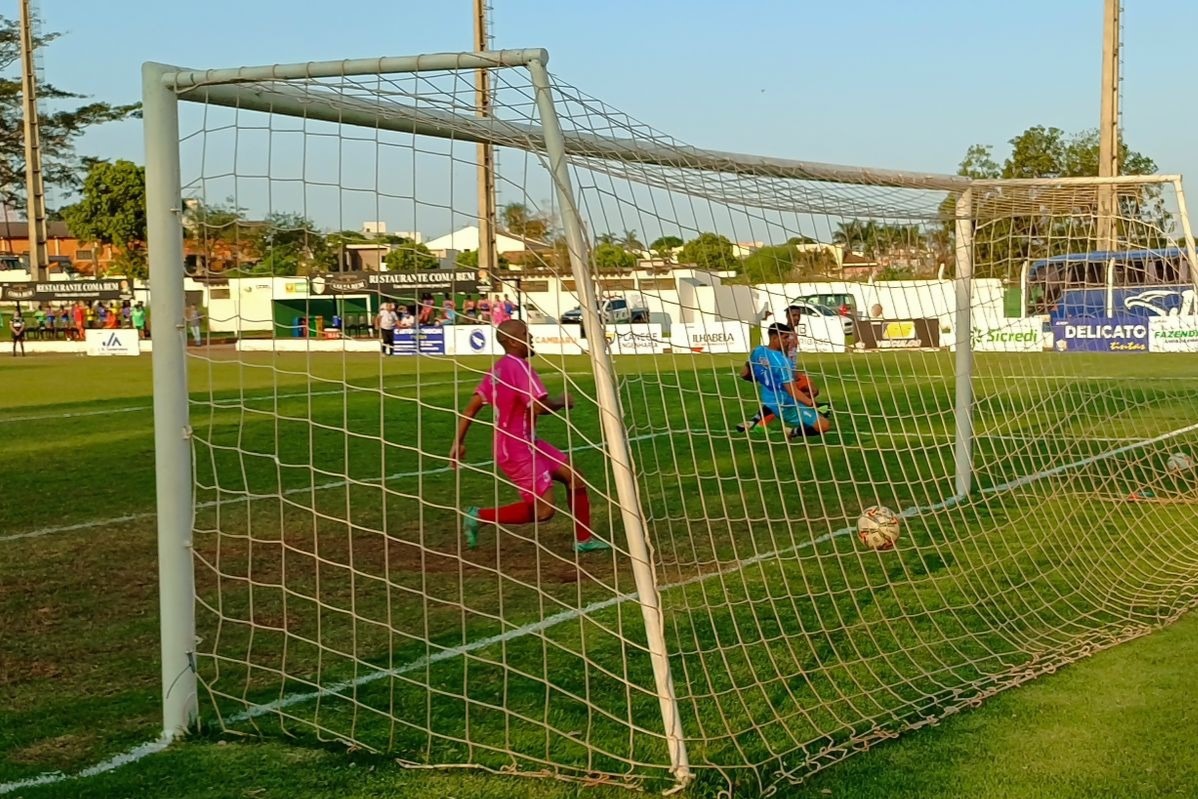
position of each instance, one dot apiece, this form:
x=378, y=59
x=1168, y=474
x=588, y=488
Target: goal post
x=342, y=554
x=172, y=450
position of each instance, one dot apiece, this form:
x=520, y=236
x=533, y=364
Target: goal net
x=700, y=605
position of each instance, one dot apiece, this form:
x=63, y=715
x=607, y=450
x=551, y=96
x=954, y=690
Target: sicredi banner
x=1125, y=334
x=1007, y=335
x=116, y=341
x=1173, y=334
x=718, y=337
x=556, y=339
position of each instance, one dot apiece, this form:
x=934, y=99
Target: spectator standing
x=192, y=317
x=484, y=310
x=449, y=309
x=80, y=316
x=428, y=311
x=138, y=315
x=385, y=322
x=17, y=326
x=468, y=310
x=499, y=313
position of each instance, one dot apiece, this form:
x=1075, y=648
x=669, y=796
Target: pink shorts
x=530, y=471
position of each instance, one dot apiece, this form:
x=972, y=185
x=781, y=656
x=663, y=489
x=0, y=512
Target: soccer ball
x=878, y=528
x=1179, y=462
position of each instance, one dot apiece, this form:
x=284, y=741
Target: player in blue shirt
x=771, y=368
x=794, y=317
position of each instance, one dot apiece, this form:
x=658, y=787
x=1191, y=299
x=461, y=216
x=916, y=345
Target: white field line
x=139, y=752
x=228, y=402
x=134, y=517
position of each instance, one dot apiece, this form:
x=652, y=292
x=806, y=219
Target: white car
x=811, y=309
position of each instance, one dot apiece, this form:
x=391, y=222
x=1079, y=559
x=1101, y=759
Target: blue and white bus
x=1109, y=284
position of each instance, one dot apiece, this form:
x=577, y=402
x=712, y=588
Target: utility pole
x=1108, y=129
x=35, y=195
x=486, y=153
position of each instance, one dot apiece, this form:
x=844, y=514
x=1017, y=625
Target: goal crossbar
x=225, y=87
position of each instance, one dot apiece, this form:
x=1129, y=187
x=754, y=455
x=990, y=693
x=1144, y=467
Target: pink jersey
x=512, y=387
x=499, y=314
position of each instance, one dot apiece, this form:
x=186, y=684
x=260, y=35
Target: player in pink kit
x=516, y=392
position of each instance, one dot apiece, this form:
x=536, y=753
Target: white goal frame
x=165, y=86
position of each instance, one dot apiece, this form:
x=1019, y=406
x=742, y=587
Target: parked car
x=843, y=304
x=812, y=309
x=615, y=310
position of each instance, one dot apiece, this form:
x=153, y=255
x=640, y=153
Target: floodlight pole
x=487, y=260
x=613, y=427
x=35, y=192
x=963, y=331
x=172, y=430
x=1108, y=130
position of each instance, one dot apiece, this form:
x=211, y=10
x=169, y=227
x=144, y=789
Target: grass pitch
x=298, y=477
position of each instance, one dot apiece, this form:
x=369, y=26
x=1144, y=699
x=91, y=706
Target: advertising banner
x=638, y=339
x=1173, y=334
x=897, y=334
x=474, y=340
x=420, y=341
x=1006, y=335
x=718, y=337
x=64, y=290
x=395, y=284
x=556, y=339
x=113, y=341
x=1125, y=334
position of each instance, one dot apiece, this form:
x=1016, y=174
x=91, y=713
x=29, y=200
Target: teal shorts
x=796, y=415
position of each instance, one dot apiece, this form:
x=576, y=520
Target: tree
x=709, y=251
x=631, y=242
x=219, y=232
x=62, y=167
x=518, y=219
x=663, y=247
x=1004, y=240
x=785, y=263
x=979, y=163
x=410, y=257
x=612, y=256
x=113, y=211
x=607, y=238
x=769, y=265
x=290, y=244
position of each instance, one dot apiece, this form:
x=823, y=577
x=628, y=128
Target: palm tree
x=631, y=242
x=607, y=238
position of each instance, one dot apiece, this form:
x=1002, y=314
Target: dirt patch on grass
x=59, y=753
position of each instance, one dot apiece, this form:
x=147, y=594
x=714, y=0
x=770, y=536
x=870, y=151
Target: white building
x=467, y=239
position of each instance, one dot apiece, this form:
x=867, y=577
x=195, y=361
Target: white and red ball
x=878, y=527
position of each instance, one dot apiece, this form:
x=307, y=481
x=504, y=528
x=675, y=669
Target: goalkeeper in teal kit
x=771, y=369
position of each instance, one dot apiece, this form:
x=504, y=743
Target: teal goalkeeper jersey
x=773, y=371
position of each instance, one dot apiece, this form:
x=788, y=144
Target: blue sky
x=904, y=85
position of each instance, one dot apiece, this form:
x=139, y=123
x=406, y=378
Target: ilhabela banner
x=1128, y=334
x=719, y=337
x=1173, y=334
